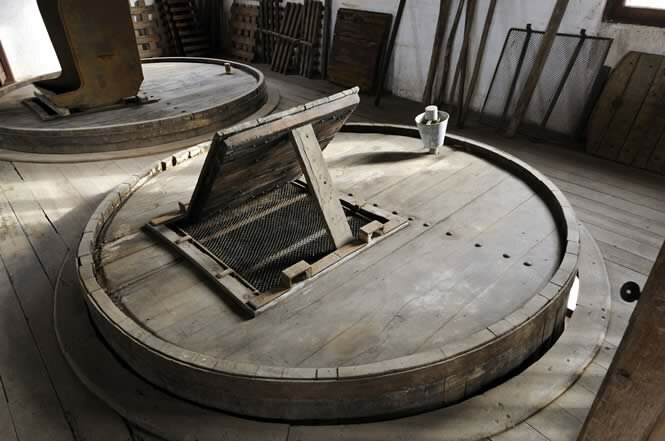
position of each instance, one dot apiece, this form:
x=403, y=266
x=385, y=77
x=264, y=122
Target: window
x=641, y=12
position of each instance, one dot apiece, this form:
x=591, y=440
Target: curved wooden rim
x=546, y=306
x=152, y=409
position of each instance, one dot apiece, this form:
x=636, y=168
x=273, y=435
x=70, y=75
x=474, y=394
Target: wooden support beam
x=448, y=53
x=439, y=35
x=479, y=62
x=631, y=402
x=389, y=52
x=463, y=58
x=538, y=66
x=320, y=184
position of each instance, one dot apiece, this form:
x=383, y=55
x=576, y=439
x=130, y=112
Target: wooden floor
x=43, y=209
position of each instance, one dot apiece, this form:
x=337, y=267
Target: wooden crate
x=244, y=29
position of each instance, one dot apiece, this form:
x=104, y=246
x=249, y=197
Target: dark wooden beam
x=631, y=402
x=538, y=66
x=389, y=52
x=479, y=62
x=439, y=35
x=448, y=53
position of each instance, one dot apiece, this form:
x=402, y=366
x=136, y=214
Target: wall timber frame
x=195, y=113
x=388, y=388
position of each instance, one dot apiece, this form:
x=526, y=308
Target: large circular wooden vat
x=194, y=97
x=474, y=288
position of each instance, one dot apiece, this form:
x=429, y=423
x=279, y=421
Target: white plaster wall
x=25, y=40
x=407, y=72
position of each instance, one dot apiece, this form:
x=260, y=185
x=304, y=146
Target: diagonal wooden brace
x=320, y=184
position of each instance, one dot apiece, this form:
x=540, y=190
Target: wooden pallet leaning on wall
x=244, y=29
x=185, y=29
x=148, y=30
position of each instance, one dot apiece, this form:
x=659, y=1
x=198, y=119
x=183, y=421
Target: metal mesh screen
x=265, y=235
x=560, y=100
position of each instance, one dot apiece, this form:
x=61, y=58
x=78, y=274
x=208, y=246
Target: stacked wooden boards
x=628, y=122
x=359, y=42
x=243, y=31
x=475, y=286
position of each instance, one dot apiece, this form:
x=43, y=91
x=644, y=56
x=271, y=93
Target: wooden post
x=631, y=402
x=463, y=58
x=327, y=24
x=389, y=52
x=320, y=184
x=479, y=61
x=538, y=66
x=6, y=75
x=444, y=10
x=448, y=54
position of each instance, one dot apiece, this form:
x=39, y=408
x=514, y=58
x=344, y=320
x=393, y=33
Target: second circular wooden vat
x=193, y=97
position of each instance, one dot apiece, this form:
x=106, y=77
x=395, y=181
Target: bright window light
x=649, y=4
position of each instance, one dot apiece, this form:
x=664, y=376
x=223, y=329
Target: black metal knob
x=630, y=291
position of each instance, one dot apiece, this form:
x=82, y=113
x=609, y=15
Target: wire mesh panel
x=560, y=100
x=265, y=235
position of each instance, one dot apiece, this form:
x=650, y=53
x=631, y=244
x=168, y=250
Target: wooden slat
x=320, y=184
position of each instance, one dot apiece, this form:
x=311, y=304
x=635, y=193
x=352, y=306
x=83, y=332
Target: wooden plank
x=649, y=124
x=630, y=105
x=35, y=411
x=44, y=239
x=479, y=60
x=7, y=429
x=537, y=67
x=387, y=56
x=449, y=53
x=320, y=184
x=91, y=418
x=463, y=58
x=631, y=401
x=439, y=35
